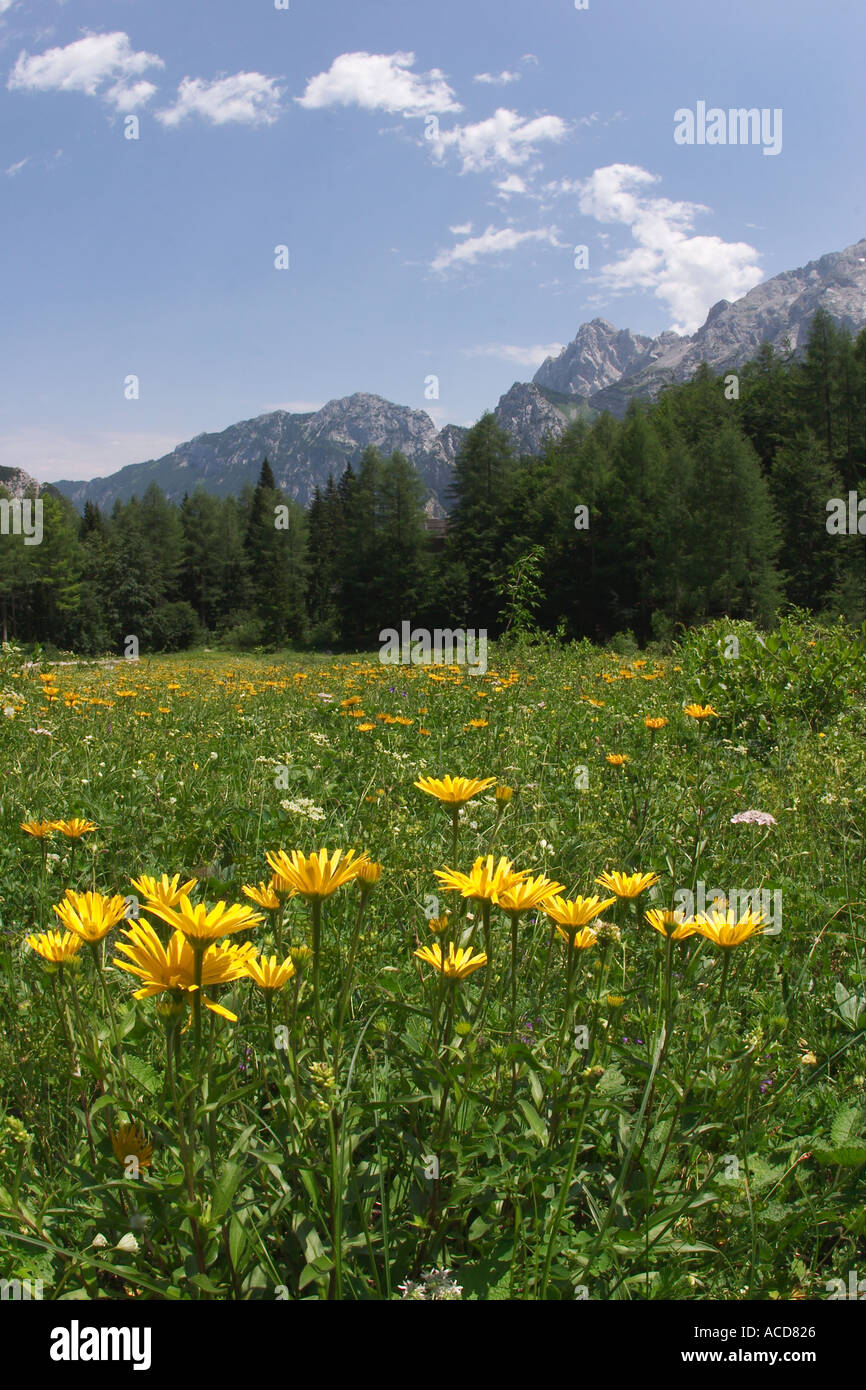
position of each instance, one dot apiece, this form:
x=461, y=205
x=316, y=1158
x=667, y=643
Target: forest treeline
x=711, y=501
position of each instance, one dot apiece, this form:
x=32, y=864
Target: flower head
x=195, y=921
x=575, y=912
x=265, y=895
x=90, y=915
x=753, y=818
x=315, y=875
x=627, y=885
x=74, y=829
x=457, y=964
x=617, y=759
x=653, y=724
x=56, y=947
x=172, y=969
x=131, y=1142
x=531, y=892
x=268, y=974
x=165, y=891
x=671, y=924
x=455, y=791
x=39, y=829
x=578, y=938
x=504, y=795
x=701, y=712
x=486, y=881
x=725, y=929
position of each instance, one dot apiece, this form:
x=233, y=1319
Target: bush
x=174, y=627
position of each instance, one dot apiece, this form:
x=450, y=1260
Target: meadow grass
x=638, y=1117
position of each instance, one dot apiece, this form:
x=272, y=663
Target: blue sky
x=431, y=169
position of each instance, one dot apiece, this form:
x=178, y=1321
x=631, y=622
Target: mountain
x=778, y=311
x=602, y=368
x=302, y=449
x=16, y=483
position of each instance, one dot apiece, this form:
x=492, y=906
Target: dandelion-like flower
x=701, y=711
x=671, y=924
x=131, y=1142
x=454, y=791
x=617, y=759
x=265, y=895
x=531, y=892
x=627, y=885
x=727, y=930
x=486, y=881
x=457, y=964
x=165, y=891
x=58, y=948
x=654, y=724
x=172, y=969
x=315, y=875
x=39, y=829
x=203, y=925
x=269, y=973
x=575, y=912
x=90, y=915
x=75, y=828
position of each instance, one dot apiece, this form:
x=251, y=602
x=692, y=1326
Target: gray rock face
x=16, y=483
x=529, y=418
x=779, y=311
x=598, y=356
x=302, y=449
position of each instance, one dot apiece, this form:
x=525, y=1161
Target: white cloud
x=16, y=168
x=85, y=66
x=463, y=229
x=512, y=184
x=497, y=79
x=530, y=58
x=6, y=5
x=503, y=138
x=379, y=82
x=688, y=273
x=249, y=98
x=522, y=356
x=491, y=242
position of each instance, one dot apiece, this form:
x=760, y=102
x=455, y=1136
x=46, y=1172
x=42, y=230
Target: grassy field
x=627, y=1117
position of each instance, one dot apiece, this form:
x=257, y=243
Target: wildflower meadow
x=330, y=979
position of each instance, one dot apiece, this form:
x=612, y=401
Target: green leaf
x=534, y=1120
x=142, y=1072
x=847, y=1124
x=225, y=1188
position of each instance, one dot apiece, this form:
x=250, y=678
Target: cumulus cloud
x=522, y=356
x=512, y=184
x=491, y=242
x=87, y=65
x=379, y=82
x=463, y=229
x=497, y=79
x=246, y=97
x=688, y=273
x=503, y=138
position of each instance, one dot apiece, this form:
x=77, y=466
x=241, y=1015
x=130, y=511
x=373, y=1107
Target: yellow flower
x=504, y=795
x=725, y=929
x=627, y=885
x=74, y=829
x=90, y=915
x=194, y=920
x=670, y=924
x=316, y=875
x=457, y=964
x=165, y=892
x=365, y=728
x=485, y=882
x=39, y=829
x=532, y=892
x=475, y=724
x=171, y=969
x=439, y=924
x=615, y=1001
x=700, y=711
x=455, y=791
x=653, y=724
x=575, y=912
x=131, y=1142
x=268, y=974
x=617, y=759
x=56, y=947
x=265, y=895
x=578, y=939
x=370, y=873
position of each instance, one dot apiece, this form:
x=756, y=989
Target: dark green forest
x=711, y=501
